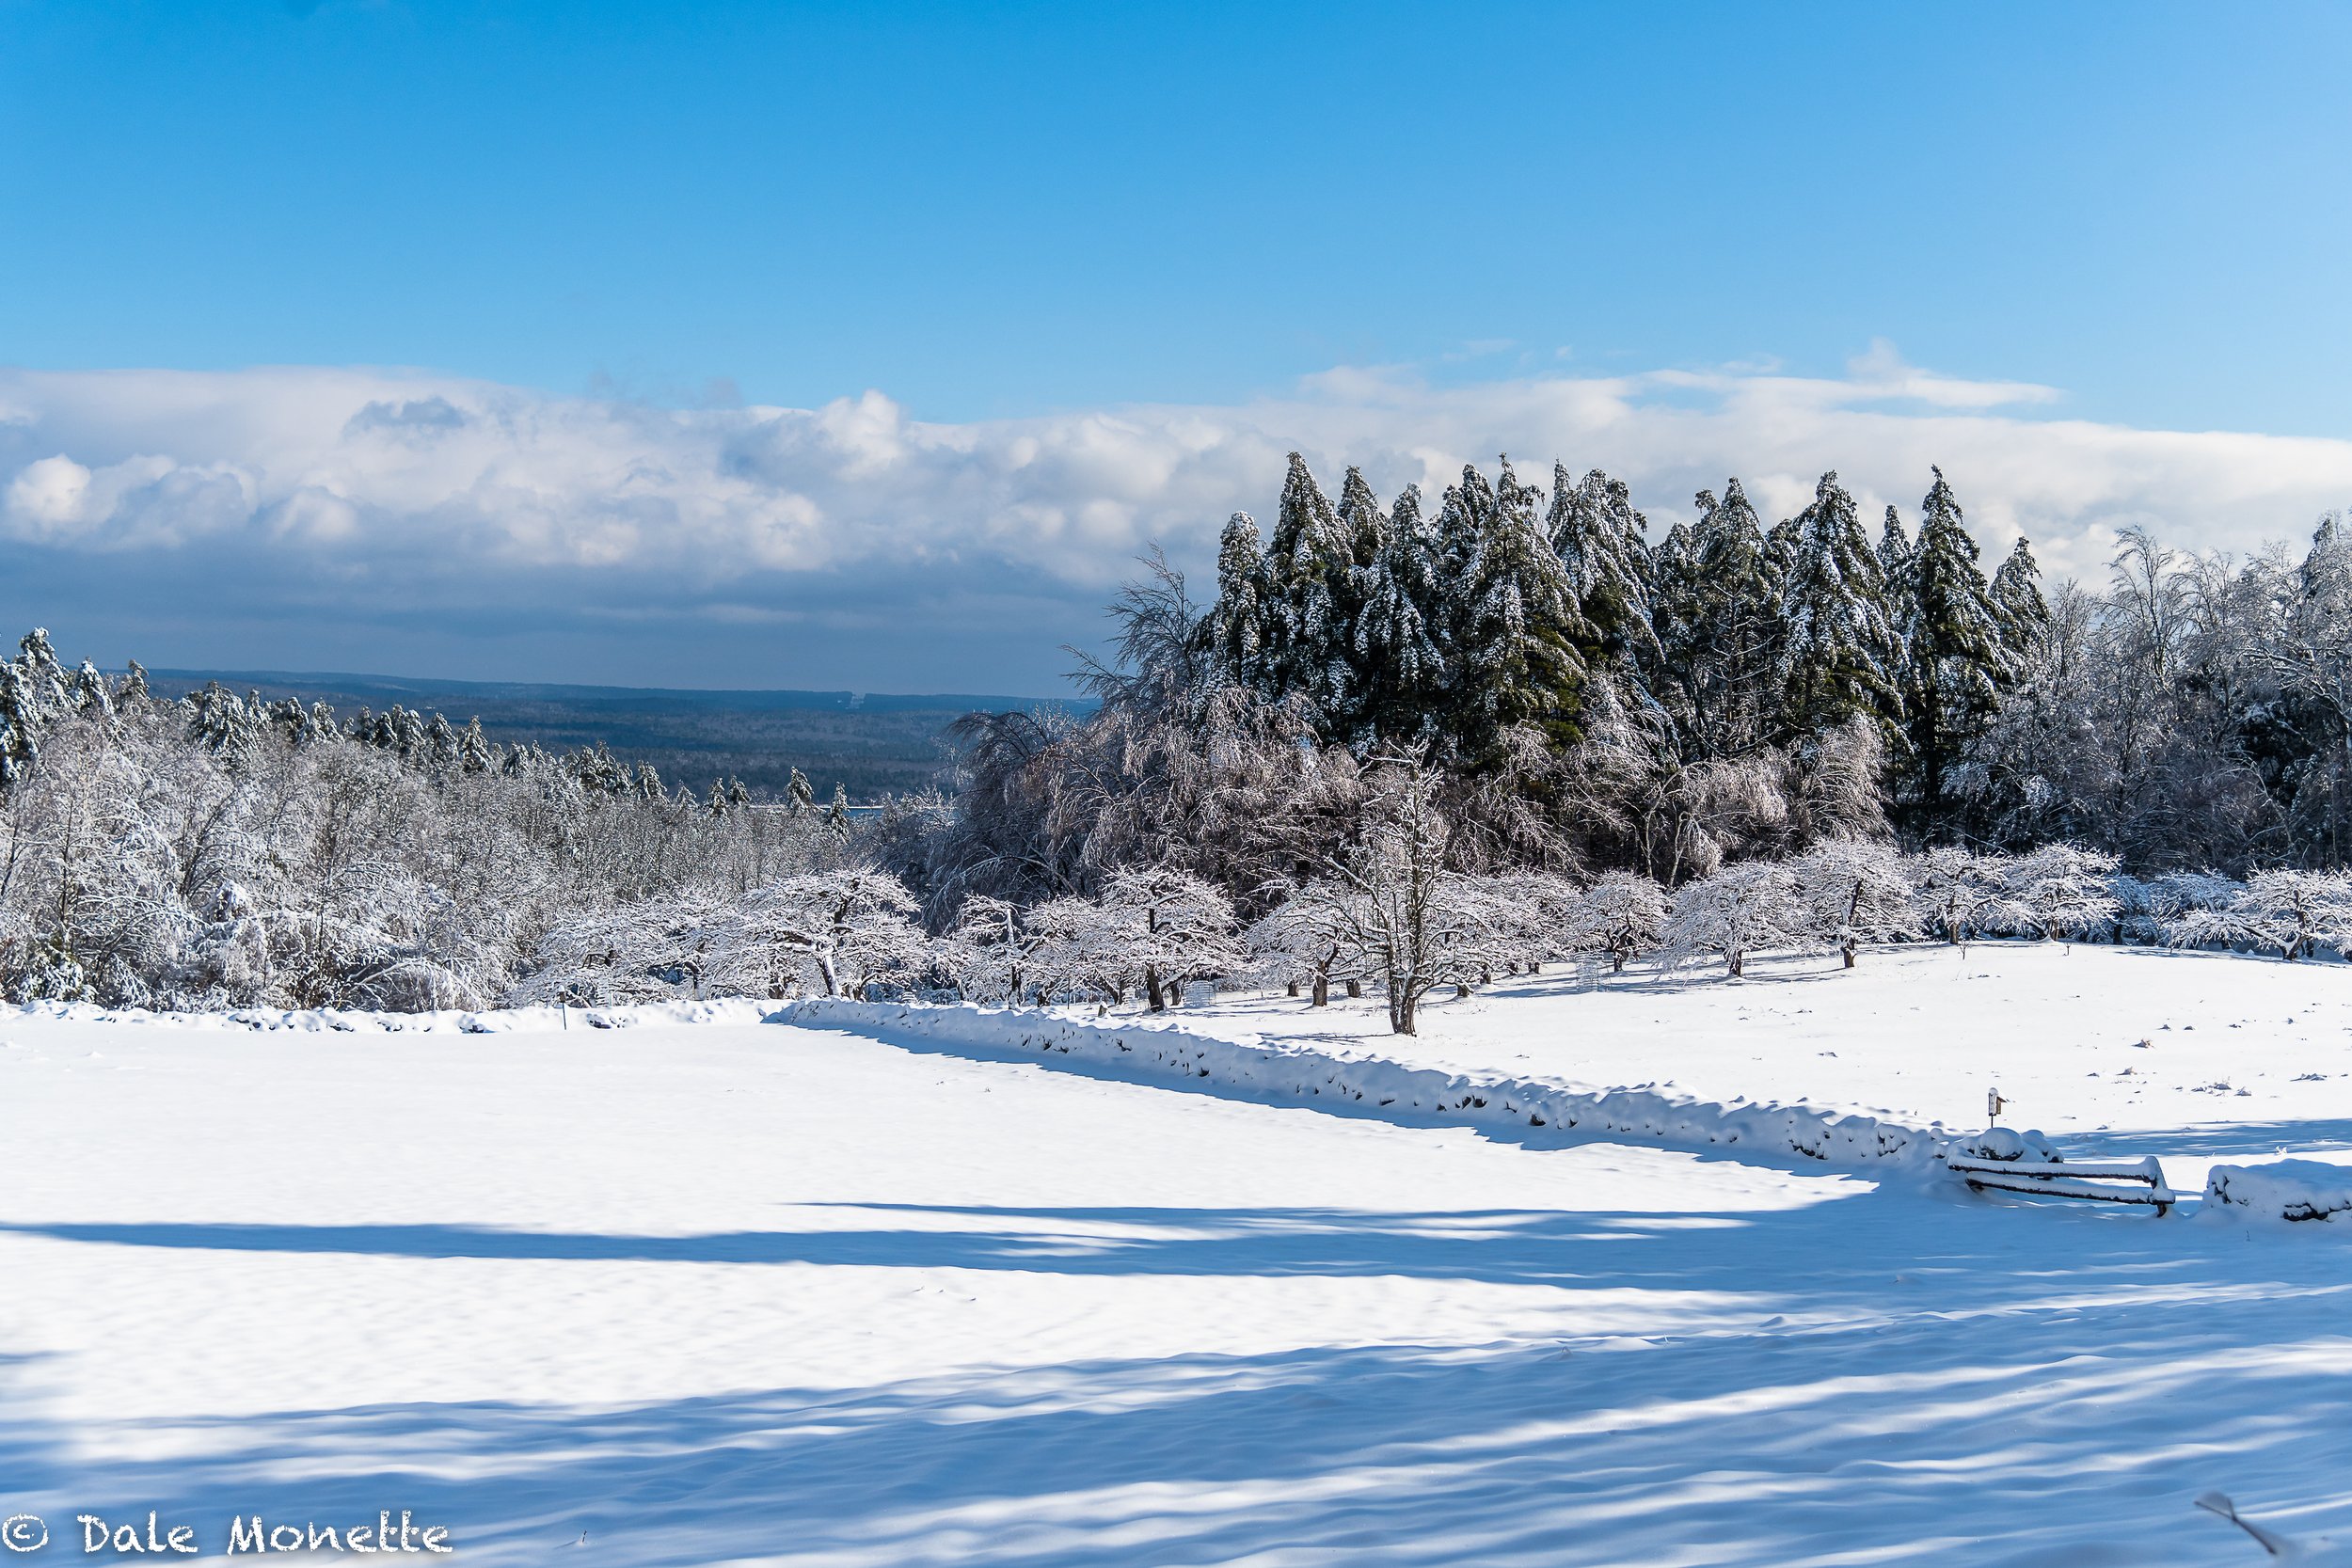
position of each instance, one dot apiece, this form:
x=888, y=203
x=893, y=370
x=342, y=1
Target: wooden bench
x=2109, y=1181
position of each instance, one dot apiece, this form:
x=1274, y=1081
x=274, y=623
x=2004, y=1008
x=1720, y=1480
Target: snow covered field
x=736, y=1293
x=2190, y=1057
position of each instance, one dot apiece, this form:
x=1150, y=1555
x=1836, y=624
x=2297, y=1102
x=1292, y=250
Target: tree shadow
x=1871, y=1381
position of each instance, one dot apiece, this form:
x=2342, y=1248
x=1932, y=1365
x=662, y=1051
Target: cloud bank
x=309, y=517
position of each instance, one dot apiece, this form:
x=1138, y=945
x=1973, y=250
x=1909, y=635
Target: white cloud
x=383, y=480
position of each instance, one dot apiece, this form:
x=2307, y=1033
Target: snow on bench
x=2108, y=1183
x=2007, y=1160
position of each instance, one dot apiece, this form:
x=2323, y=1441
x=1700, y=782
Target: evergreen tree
x=442, y=748
x=1350, y=677
x=1361, y=520
x=223, y=725
x=1837, y=643
x=1237, y=623
x=1307, y=565
x=1400, y=664
x=132, y=692
x=1894, y=552
x=1516, y=623
x=43, y=673
x=1959, y=657
x=1603, y=545
x=2017, y=593
x=473, y=747
x=1725, y=631
x=91, y=697
x=21, y=724
x=1675, y=623
x=796, y=794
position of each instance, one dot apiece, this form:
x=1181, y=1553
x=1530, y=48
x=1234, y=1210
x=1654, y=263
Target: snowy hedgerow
x=2288, y=913
x=1739, y=909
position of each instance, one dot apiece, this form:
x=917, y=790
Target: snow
x=723, y=1291
x=2289, y=1189
x=2110, y=1051
x=1288, y=1072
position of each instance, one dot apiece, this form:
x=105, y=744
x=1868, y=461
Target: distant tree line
x=1734, y=691
x=216, y=852
x=1405, y=747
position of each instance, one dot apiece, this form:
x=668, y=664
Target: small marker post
x=1992, y=1103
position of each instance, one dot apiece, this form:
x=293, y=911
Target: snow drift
x=2280, y=1190
x=1278, y=1070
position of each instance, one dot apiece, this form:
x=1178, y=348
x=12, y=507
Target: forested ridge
x=1405, y=746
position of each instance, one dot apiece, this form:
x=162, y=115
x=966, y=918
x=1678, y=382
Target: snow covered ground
x=2190, y=1056
x=724, y=1292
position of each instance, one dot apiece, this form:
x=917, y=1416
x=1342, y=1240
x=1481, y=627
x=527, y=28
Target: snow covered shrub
x=1302, y=940
x=2288, y=913
x=1169, y=927
x=1526, y=917
x=2297, y=1191
x=2136, y=917
x=1850, y=891
x=1963, y=894
x=990, y=950
x=1075, y=950
x=1739, y=909
x=838, y=933
x=1621, y=914
x=1399, y=912
x=2062, y=890
x=53, y=974
x=644, y=951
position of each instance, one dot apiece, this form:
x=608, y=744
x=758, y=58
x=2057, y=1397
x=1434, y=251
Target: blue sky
x=994, y=214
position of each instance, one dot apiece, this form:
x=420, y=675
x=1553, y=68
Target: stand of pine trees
x=1507, y=615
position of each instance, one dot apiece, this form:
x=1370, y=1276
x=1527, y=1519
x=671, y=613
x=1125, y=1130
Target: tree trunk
x=1461, y=990
x=1291, y=989
x=1617, y=963
x=1323, y=989
x=1155, y=998
x=1847, y=948
x=1355, y=987
x=1736, y=957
